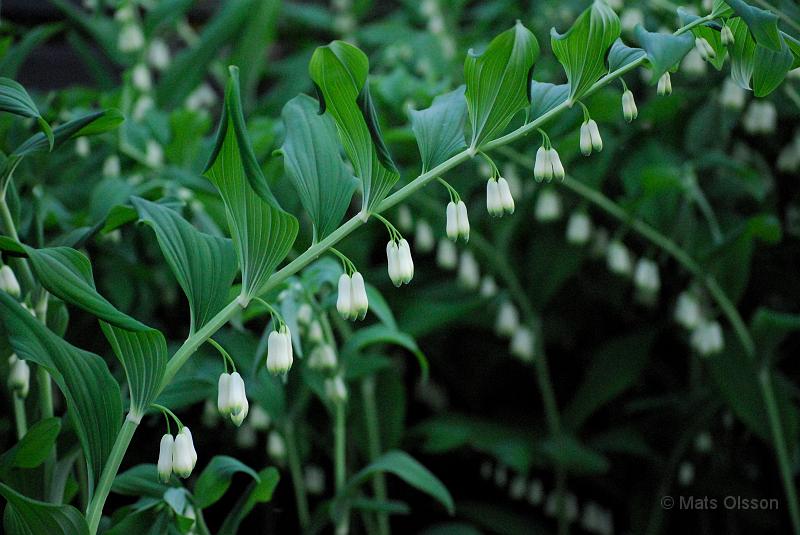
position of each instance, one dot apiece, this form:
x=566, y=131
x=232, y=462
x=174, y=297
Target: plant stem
x=374, y=447
x=296, y=471
x=95, y=510
x=19, y=416
x=340, y=467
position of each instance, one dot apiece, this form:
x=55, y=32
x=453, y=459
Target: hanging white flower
x=158, y=54
x=154, y=153
x=183, y=459
x=335, y=389
x=8, y=282
x=141, y=77
x=664, y=85
x=352, y=302
x=237, y=401
x=82, y=147
x=111, y=166
x=469, y=271
x=279, y=351
x=457, y=221
x=276, y=447
x=707, y=338
x=618, y=258
x=590, y=138
x=322, y=357
x=507, y=319
x=304, y=314
x=315, y=333
x=646, y=276
x=629, y=110
x=165, y=453
x=726, y=35
x=130, y=38
x=405, y=221
x=488, y=286
x=446, y=255
x=693, y=64
x=732, y=96
x=399, y=262
x=542, y=168
x=761, y=117
x=522, y=344
x=705, y=49
x=19, y=376
x=424, y=240
x=688, y=312
x=579, y=228
x=494, y=203
x=548, y=206
x=259, y=419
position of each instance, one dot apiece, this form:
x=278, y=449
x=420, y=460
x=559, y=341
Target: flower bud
x=424, y=240
x=406, y=263
x=585, y=139
x=618, y=258
x=323, y=357
x=336, y=390
x=304, y=314
x=182, y=455
x=469, y=271
x=446, y=255
x=393, y=263
x=224, y=394
x=315, y=333
x=646, y=277
x=462, y=219
x=542, y=170
x=494, y=203
x=165, y=452
x=358, y=296
x=664, y=85
x=237, y=399
x=141, y=78
x=693, y=64
x=19, y=376
x=488, y=286
x=111, y=166
x=192, y=451
x=158, y=54
x=9, y=282
x=705, y=49
x=548, y=206
x=276, y=447
x=726, y=35
x=687, y=311
x=279, y=351
x=405, y=221
x=522, y=344
x=579, y=228
x=507, y=319
x=555, y=162
x=707, y=339
x=344, y=299
x=451, y=226
x=594, y=131
x=259, y=419
x=506, y=199
x=629, y=110
x=82, y=147
x=130, y=38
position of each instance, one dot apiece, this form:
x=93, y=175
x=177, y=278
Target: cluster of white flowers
x=279, y=350
x=726, y=35
x=499, y=200
x=352, y=302
x=761, y=117
x=593, y=518
x=706, y=334
x=231, y=398
x=590, y=138
x=629, y=109
x=547, y=165
x=399, y=261
x=176, y=455
x=8, y=282
x=19, y=376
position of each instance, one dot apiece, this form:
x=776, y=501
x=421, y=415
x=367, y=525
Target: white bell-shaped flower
x=726, y=36
x=463, y=220
x=693, y=64
x=760, y=118
x=305, y=314
x=494, y=202
x=279, y=351
x=488, y=286
x=618, y=258
x=9, y=282
x=522, y=344
x=165, y=453
x=182, y=455
x=405, y=263
x=451, y=226
x=646, y=276
x=193, y=451
x=224, y=394
x=468, y=271
x=158, y=54
x=393, y=263
x=424, y=240
x=707, y=338
x=542, y=169
x=555, y=163
x=688, y=312
x=322, y=357
x=585, y=139
x=594, y=131
x=358, y=296
x=507, y=319
x=259, y=418
x=276, y=447
x=335, y=389
x=315, y=333
x=457, y=221
x=405, y=221
x=111, y=166
x=344, y=299
x=140, y=76
x=732, y=96
x=548, y=206
x=130, y=38
x=446, y=255
x=506, y=199
x=82, y=147
x=237, y=399
x=664, y=85
x=579, y=228
x=19, y=376
x=629, y=110
x=705, y=49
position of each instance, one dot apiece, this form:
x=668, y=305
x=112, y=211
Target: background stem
x=340, y=466
x=296, y=472
x=374, y=448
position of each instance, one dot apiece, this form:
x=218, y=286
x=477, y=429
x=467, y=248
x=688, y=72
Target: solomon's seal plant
x=253, y=224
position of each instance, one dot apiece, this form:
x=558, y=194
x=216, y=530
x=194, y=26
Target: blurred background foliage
x=646, y=409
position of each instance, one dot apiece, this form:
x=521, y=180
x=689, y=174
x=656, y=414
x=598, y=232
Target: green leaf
x=664, y=50
x=204, y=265
x=34, y=447
x=622, y=55
x=340, y=72
x=256, y=493
x=311, y=159
x=710, y=31
x=498, y=82
x=409, y=470
x=141, y=480
x=439, y=129
x=216, y=478
x=763, y=24
x=188, y=69
x=582, y=49
x=567, y=452
x=25, y=516
x=262, y=232
x=382, y=334
x=546, y=96
x=143, y=355
x=92, y=394
x=794, y=47
x=87, y=125
x=614, y=368
x=770, y=328
x=67, y=274
x=14, y=99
